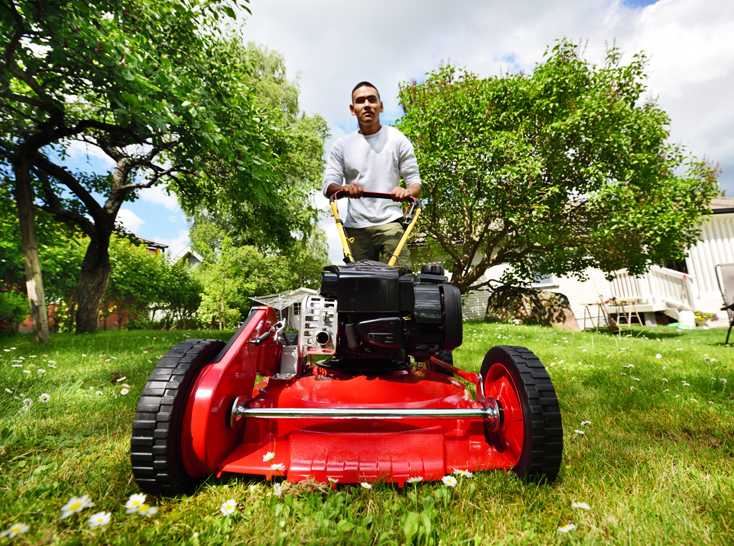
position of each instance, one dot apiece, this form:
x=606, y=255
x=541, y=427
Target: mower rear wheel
x=155, y=447
x=530, y=432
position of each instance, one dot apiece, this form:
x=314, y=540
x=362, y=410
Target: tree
x=552, y=172
x=162, y=92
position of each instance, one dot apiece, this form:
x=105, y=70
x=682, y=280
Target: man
x=374, y=159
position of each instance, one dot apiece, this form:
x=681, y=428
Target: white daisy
x=463, y=473
x=14, y=530
x=580, y=506
x=124, y=391
x=147, y=510
x=585, y=423
x=277, y=490
x=332, y=480
x=134, y=503
x=228, y=507
x=100, y=519
x=414, y=479
x=366, y=485
x=269, y=456
x=44, y=398
x=567, y=528
x=277, y=467
x=658, y=356
x=579, y=432
x=449, y=481
x=75, y=505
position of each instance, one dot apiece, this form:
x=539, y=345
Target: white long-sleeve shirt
x=377, y=162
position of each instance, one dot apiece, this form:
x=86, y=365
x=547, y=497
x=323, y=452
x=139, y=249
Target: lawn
x=653, y=459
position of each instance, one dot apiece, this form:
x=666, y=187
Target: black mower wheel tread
x=154, y=446
x=541, y=459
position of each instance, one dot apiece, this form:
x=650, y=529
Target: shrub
x=13, y=309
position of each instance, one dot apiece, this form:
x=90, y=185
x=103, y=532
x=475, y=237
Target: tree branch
x=65, y=177
x=54, y=207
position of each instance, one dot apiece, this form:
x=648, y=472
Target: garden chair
x=725, y=276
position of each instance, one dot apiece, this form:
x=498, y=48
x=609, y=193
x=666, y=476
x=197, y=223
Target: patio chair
x=725, y=276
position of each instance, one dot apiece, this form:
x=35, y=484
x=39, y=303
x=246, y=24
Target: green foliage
x=142, y=281
x=13, y=308
x=169, y=92
x=236, y=273
x=552, y=172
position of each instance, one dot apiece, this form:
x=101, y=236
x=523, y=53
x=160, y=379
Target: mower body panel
x=348, y=450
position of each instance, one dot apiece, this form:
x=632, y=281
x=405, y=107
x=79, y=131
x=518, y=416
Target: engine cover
x=389, y=313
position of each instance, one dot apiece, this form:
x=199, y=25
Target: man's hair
x=365, y=84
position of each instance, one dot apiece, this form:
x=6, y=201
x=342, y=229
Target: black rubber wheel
x=542, y=447
x=155, y=443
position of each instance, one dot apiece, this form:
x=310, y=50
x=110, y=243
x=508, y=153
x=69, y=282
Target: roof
x=722, y=205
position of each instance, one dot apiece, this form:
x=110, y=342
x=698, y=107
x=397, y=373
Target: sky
x=328, y=46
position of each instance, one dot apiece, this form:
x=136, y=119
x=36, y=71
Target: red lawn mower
x=352, y=384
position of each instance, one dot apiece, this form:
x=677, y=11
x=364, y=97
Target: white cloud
x=129, y=220
x=159, y=196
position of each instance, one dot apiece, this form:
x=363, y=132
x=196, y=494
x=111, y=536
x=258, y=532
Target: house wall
x=715, y=247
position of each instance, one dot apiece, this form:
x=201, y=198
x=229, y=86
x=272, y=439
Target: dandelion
x=134, y=503
x=463, y=473
x=75, y=505
x=27, y=403
x=277, y=467
x=15, y=529
x=147, y=510
x=567, y=528
x=100, y=519
x=658, y=356
x=580, y=506
x=228, y=507
x=585, y=423
x=269, y=456
x=366, y=485
x=414, y=479
x=449, y=481
x=124, y=391
x=277, y=490
x=44, y=398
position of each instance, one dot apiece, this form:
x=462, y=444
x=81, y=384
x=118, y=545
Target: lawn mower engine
x=386, y=314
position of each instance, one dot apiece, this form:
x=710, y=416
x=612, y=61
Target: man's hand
x=353, y=190
x=399, y=193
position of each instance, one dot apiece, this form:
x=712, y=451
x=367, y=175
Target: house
x=676, y=292
x=189, y=258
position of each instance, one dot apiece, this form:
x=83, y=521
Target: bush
x=13, y=309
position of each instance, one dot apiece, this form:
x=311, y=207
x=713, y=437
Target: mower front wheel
x=156, y=444
x=529, y=436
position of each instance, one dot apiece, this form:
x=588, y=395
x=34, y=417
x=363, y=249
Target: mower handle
x=338, y=194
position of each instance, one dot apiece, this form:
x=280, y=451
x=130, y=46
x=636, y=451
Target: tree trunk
x=33, y=278
x=93, y=280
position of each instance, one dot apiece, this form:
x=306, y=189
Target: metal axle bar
x=491, y=412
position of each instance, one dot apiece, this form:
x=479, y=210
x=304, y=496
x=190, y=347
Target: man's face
x=366, y=105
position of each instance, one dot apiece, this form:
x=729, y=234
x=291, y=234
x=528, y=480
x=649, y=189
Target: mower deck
x=354, y=449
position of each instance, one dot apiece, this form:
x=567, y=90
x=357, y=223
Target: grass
x=656, y=464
